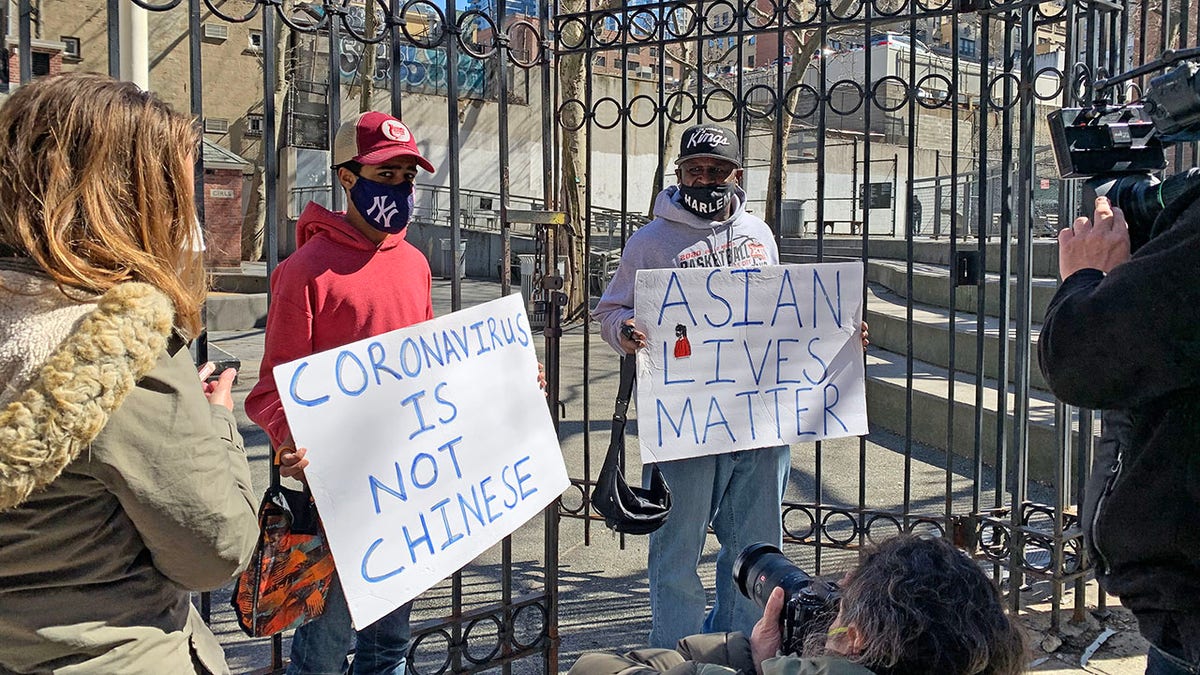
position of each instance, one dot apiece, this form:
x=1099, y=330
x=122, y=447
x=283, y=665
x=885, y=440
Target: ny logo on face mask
x=383, y=210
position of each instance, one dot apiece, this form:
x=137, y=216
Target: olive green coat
x=122, y=488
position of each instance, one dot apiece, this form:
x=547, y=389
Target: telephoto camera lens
x=761, y=567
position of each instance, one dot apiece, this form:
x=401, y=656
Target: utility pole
x=135, y=51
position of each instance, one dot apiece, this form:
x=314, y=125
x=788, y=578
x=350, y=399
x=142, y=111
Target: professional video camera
x=1117, y=145
x=809, y=604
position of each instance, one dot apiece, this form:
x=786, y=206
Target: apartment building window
x=40, y=63
x=750, y=61
x=966, y=46
x=600, y=60
x=254, y=125
x=670, y=71
x=618, y=63
x=71, y=48
x=256, y=41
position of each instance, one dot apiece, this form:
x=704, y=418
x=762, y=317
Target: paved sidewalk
x=603, y=591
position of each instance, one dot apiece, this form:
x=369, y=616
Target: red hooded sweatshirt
x=337, y=288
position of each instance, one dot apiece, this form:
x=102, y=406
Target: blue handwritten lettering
x=800, y=431
x=750, y=410
x=451, y=535
x=432, y=352
x=835, y=312
x=433, y=470
x=415, y=400
x=523, y=478
x=780, y=359
x=376, y=355
x=716, y=362
x=829, y=406
x=376, y=485
x=366, y=559
x=667, y=370
x=523, y=333
x=673, y=282
x=410, y=346
x=424, y=538
x=778, y=417
x=343, y=357
x=448, y=447
x=437, y=395
x=488, y=499
x=824, y=366
x=762, y=364
x=308, y=403
x=677, y=428
x=478, y=328
x=497, y=341
x=723, y=301
x=786, y=282
x=473, y=508
x=714, y=406
x=746, y=297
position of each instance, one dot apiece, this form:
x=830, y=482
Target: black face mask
x=708, y=201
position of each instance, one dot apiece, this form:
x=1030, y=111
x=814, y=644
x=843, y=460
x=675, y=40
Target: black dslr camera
x=1117, y=146
x=809, y=606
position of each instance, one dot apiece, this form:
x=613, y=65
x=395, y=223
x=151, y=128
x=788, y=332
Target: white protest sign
x=427, y=446
x=748, y=358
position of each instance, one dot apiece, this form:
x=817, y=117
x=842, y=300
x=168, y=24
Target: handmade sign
x=748, y=358
x=427, y=446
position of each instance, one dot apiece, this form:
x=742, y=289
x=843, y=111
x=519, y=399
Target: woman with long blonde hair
x=123, y=479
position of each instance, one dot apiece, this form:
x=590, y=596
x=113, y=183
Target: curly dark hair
x=922, y=606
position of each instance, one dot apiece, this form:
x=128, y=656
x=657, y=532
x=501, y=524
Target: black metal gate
x=911, y=133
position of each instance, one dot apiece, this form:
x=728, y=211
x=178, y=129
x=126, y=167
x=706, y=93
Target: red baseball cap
x=374, y=138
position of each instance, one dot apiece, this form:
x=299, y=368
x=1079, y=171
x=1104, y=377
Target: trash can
x=527, y=261
x=448, y=259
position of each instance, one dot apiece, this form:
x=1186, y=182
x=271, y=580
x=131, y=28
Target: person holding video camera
x=1120, y=336
x=914, y=606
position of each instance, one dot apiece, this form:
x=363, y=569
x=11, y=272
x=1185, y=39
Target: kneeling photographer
x=914, y=605
x=1121, y=336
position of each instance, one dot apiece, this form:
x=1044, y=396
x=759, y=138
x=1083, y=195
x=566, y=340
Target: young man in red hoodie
x=352, y=276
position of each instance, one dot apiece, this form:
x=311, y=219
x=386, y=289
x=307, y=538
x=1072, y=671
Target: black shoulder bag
x=629, y=510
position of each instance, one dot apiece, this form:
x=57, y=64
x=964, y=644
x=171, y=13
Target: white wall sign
x=427, y=446
x=748, y=358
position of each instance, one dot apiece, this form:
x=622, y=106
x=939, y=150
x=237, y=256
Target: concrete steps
x=898, y=301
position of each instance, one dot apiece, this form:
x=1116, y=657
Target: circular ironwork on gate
x=250, y=14
x=607, y=29
x=569, y=106
x=856, y=96
x=887, y=84
x=484, y=630
x=855, y=10
x=1001, y=103
x=758, y=17
x=381, y=30
x=680, y=20
x=572, y=33
x=993, y=537
x=801, y=101
x=166, y=6
x=720, y=22
x=527, y=40
x=430, y=30
x=790, y=529
x=578, y=494
x=599, y=110
x=934, y=101
x=933, y=5
x=713, y=97
x=305, y=20
x=881, y=521
x=762, y=110
x=1059, y=85
x=529, y=619
x=683, y=101
x=431, y=646
x=799, y=13
x=474, y=23
x=643, y=25
x=643, y=110
x=839, y=521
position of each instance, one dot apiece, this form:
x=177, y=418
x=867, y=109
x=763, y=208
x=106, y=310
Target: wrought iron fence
x=941, y=101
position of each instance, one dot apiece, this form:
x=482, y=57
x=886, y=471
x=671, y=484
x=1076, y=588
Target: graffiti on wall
x=422, y=71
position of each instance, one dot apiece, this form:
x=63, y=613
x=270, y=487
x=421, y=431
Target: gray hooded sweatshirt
x=678, y=238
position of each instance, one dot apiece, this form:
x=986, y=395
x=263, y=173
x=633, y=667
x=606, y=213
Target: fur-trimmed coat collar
x=87, y=372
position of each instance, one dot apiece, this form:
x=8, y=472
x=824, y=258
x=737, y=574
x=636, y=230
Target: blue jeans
x=739, y=494
x=1159, y=662
x=320, y=646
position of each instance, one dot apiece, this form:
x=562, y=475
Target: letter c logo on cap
x=396, y=131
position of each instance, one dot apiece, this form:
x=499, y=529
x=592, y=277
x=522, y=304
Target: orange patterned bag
x=289, y=575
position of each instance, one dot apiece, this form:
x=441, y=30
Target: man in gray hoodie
x=701, y=222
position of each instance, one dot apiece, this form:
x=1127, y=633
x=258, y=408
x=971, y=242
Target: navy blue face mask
x=386, y=208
